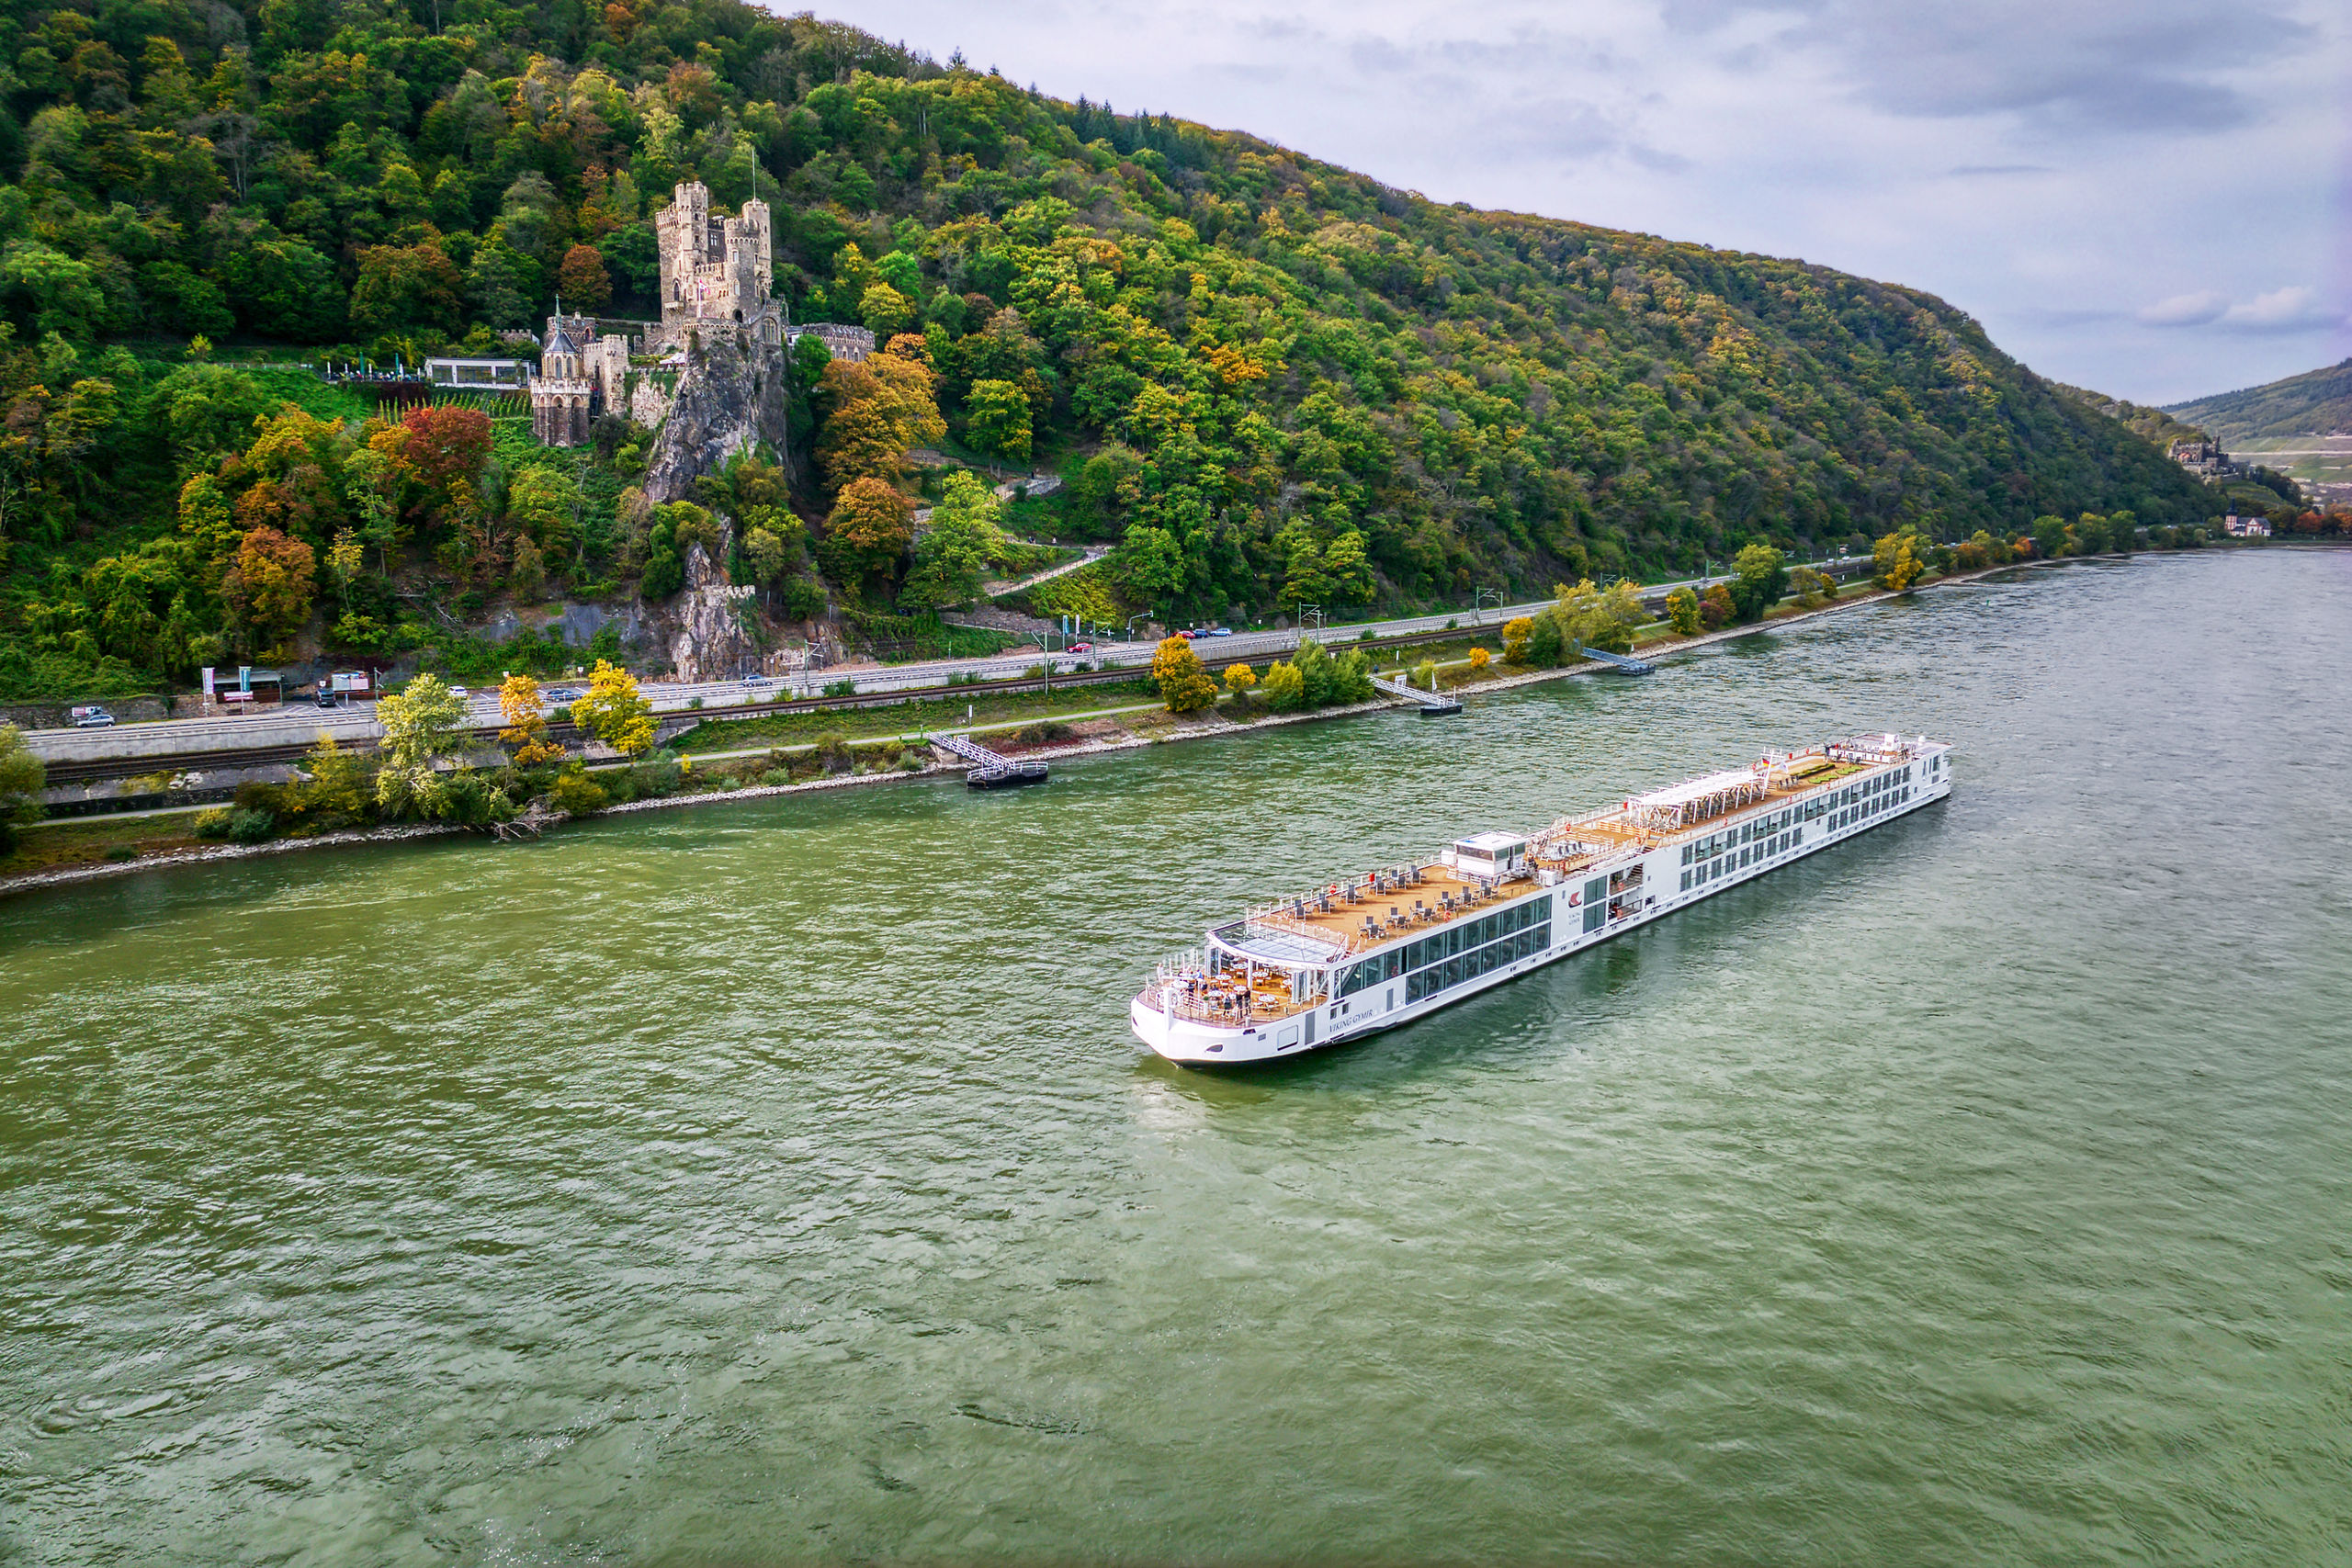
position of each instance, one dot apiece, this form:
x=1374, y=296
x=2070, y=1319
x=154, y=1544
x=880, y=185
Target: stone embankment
x=1149, y=729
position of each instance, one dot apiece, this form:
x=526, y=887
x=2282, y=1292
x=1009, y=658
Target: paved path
x=1093, y=553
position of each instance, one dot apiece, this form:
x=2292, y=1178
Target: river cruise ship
x=1394, y=944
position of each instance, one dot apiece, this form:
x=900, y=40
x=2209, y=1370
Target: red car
x=1080, y=648
x=1188, y=636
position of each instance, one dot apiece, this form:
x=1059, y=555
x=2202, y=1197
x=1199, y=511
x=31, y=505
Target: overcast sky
x=2149, y=196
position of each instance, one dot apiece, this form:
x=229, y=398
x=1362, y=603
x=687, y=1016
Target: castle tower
x=716, y=272
x=562, y=395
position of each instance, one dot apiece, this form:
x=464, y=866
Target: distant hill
x=1267, y=380
x=2152, y=423
x=2317, y=403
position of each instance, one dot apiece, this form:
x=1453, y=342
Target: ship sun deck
x=1314, y=951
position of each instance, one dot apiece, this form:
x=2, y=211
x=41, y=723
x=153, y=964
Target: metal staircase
x=988, y=770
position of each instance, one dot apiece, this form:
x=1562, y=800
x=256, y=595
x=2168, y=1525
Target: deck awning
x=1698, y=789
x=1290, y=949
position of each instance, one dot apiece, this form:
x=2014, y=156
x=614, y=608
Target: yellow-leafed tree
x=1895, y=562
x=614, y=712
x=1239, y=678
x=1184, y=684
x=520, y=704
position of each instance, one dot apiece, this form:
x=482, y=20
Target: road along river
x=778, y=1181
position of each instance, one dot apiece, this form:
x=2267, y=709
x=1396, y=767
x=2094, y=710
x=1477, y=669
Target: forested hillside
x=1269, y=380
x=2317, y=403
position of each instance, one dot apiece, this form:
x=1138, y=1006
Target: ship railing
x=1220, y=998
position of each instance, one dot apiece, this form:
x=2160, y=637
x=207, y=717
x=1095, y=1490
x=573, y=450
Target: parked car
x=92, y=719
x=327, y=700
x=1188, y=634
x=1080, y=648
x=1220, y=631
x=759, y=679
x=561, y=695
x=461, y=694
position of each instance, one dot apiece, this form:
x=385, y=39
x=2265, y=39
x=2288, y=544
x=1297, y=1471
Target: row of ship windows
x=1438, y=946
x=1707, y=871
x=1871, y=803
x=1485, y=961
x=1775, y=823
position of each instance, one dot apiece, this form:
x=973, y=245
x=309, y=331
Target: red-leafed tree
x=583, y=281
x=446, y=444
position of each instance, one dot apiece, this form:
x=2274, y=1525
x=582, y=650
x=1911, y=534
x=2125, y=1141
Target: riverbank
x=1136, y=728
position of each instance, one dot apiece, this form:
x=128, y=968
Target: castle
x=580, y=374
x=716, y=278
x=716, y=272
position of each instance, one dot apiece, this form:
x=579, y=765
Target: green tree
x=22, y=777
x=2050, y=537
x=1184, y=684
x=1284, y=689
x=1759, y=579
x=997, y=414
x=423, y=728
x=1592, y=618
x=951, y=555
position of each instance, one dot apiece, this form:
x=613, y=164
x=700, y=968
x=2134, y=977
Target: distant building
x=484, y=373
x=2239, y=527
x=841, y=340
x=2202, y=458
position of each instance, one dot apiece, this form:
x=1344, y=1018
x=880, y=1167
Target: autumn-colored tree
x=1239, y=678
x=1184, y=685
x=1715, y=607
x=445, y=446
x=269, y=587
x=869, y=530
x=614, y=712
x=583, y=281
x=1479, y=660
x=1682, y=610
x=1897, y=561
x=881, y=407
x=1516, y=632
x=520, y=704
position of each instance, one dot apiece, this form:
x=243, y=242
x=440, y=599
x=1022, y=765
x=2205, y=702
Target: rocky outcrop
x=731, y=398
x=709, y=643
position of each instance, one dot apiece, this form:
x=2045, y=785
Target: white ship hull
x=1555, y=922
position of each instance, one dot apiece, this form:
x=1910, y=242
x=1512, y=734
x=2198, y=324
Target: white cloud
x=2290, y=309
x=2186, y=310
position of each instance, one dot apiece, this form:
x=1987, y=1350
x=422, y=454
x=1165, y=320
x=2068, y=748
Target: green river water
x=764, y=1182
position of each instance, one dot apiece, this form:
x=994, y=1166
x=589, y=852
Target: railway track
x=92, y=769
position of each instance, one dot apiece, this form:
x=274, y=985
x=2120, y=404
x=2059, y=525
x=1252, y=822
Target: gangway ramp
x=1631, y=666
x=1434, y=704
x=989, y=770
